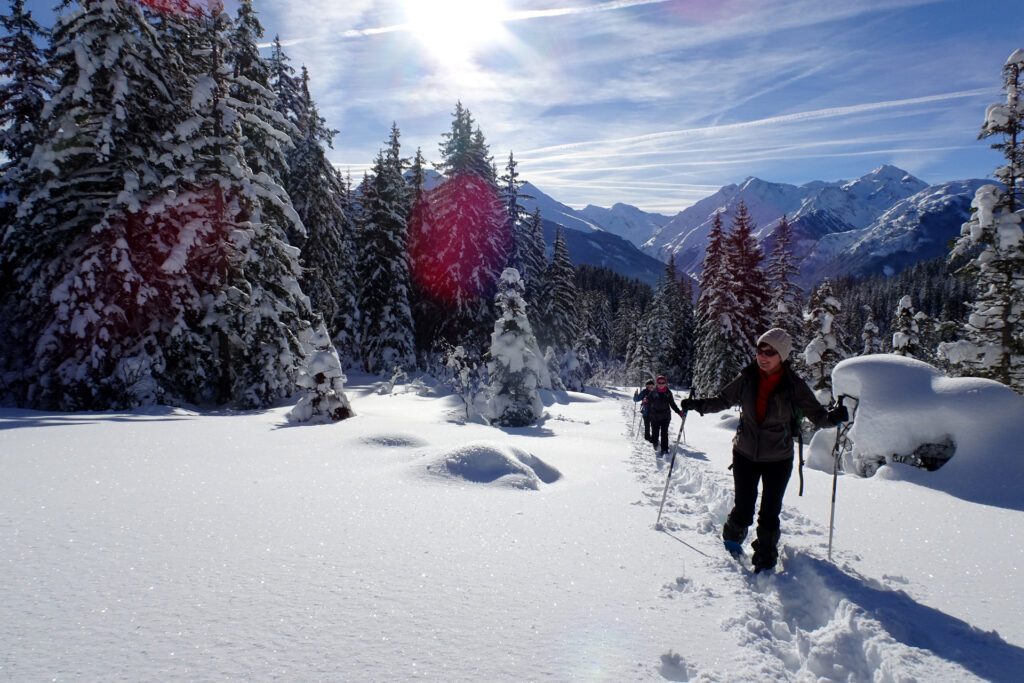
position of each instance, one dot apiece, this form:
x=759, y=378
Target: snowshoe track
x=811, y=620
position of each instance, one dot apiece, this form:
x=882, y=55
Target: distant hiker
x=772, y=399
x=660, y=406
x=641, y=397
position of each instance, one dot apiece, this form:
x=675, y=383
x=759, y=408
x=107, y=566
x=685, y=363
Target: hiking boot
x=765, y=556
x=733, y=532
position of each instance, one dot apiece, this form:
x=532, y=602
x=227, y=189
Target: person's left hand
x=838, y=414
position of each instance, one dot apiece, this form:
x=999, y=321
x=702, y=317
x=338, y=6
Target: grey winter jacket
x=772, y=440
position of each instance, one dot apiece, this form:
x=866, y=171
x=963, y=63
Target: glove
x=690, y=404
x=838, y=414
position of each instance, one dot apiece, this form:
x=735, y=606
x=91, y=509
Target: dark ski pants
x=659, y=433
x=773, y=477
x=647, y=427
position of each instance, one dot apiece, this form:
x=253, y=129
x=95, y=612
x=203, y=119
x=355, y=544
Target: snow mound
x=906, y=404
x=394, y=441
x=495, y=464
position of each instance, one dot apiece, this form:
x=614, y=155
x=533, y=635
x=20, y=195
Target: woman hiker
x=771, y=398
x=641, y=397
x=660, y=406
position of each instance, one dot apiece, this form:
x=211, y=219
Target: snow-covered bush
x=323, y=380
x=515, y=364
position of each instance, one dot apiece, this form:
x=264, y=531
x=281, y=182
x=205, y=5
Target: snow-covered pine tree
x=678, y=300
x=554, y=367
x=535, y=261
x=748, y=280
x=318, y=194
x=288, y=96
x=905, y=340
x=657, y=329
x=523, y=255
x=323, y=379
x=872, y=340
x=718, y=356
x=463, y=376
x=25, y=83
x=386, y=336
x=87, y=266
x=460, y=251
x=514, y=362
x=992, y=339
x=823, y=350
x=785, y=302
x=236, y=337
x=561, y=320
x=625, y=328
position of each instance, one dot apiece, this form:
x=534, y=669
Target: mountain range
x=881, y=222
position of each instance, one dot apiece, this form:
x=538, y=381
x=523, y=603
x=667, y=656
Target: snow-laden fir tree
x=678, y=302
x=552, y=361
x=289, y=100
x=823, y=349
x=535, y=261
x=463, y=376
x=719, y=351
x=321, y=376
x=870, y=336
x=625, y=328
x=264, y=129
x=386, y=336
x=459, y=251
x=748, y=280
x=514, y=361
x=785, y=297
x=25, y=83
x=905, y=340
x=236, y=254
x=524, y=255
x=319, y=196
x=561, y=319
x=86, y=265
x=656, y=328
x=992, y=339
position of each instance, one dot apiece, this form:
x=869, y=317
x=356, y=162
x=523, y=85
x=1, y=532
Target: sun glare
x=452, y=30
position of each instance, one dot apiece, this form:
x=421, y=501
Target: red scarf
x=765, y=389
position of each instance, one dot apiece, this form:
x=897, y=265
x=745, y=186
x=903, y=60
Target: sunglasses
x=662, y=382
x=767, y=353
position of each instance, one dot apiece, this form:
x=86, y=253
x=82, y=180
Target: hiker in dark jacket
x=641, y=397
x=771, y=398
x=660, y=406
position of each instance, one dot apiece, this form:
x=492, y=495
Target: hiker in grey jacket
x=772, y=398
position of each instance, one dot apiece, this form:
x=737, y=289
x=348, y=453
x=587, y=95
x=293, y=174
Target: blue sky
x=657, y=103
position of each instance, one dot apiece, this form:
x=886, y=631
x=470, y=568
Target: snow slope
x=401, y=544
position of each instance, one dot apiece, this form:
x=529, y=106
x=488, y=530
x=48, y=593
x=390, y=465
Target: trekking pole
x=836, y=454
x=634, y=417
x=672, y=464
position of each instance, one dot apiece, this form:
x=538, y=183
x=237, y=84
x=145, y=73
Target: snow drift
x=494, y=464
x=905, y=404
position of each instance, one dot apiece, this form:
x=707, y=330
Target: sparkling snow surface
x=399, y=544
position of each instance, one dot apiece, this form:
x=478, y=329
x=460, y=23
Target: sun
x=453, y=30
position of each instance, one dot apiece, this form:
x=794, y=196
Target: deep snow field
x=164, y=544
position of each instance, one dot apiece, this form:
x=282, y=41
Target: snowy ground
x=400, y=544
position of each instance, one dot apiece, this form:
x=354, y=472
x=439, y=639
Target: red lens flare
x=453, y=243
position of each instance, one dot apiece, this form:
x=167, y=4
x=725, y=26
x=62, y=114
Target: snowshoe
x=734, y=548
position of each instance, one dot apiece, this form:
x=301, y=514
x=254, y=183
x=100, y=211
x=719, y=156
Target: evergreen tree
x=626, y=327
x=25, y=83
x=748, y=281
x=905, y=340
x=264, y=130
x=319, y=197
x=678, y=301
x=823, y=350
x=459, y=251
x=289, y=98
x=870, y=336
x=86, y=266
x=718, y=356
x=323, y=379
x=785, y=296
x=992, y=343
x=514, y=361
x=386, y=338
x=561, y=326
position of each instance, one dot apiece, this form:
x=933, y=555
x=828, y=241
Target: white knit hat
x=778, y=339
